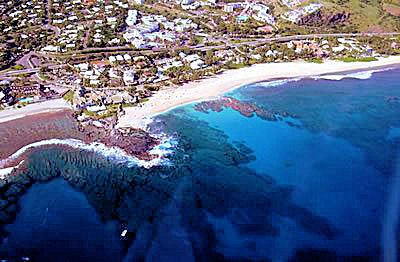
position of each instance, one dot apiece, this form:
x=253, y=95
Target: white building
x=132, y=17
x=112, y=59
x=129, y=77
x=51, y=48
x=264, y=17
x=96, y=108
x=186, y=2
x=120, y=58
x=228, y=8
x=112, y=73
x=191, y=58
x=111, y=20
x=139, y=2
x=139, y=43
x=127, y=57
x=197, y=64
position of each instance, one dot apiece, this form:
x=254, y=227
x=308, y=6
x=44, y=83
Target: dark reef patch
x=207, y=177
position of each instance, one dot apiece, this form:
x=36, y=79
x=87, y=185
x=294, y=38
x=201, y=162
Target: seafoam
x=363, y=75
x=116, y=154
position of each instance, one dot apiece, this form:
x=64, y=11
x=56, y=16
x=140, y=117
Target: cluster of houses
x=28, y=13
x=145, y=31
x=69, y=38
x=297, y=12
x=351, y=45
x=98, y=105
x=12, y=92
x=193, y=5
x=312, y=46
x=325, y=48
x=258, y=11
x=119, y=71
x=193, y=60
x=95, y=101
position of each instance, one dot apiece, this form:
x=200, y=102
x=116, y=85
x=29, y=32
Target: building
x=264, y=17
x=228, y=8
x=51, y=48
x=129, y=77
x=132, y=17
x=242, y=18
x=139, y=2
x=186, y=2
x=127, y=57
x=112, y=59
x=197, y=64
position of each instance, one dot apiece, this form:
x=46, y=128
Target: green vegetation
x=17, y=67
x=143, y=100
x=199, y=40
x=241, y=40
x=317, y=60
x=214, y=43
x=235, y=66
x=69, y=96
x=357, y=59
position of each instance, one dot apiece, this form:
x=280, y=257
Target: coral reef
x=245, y=108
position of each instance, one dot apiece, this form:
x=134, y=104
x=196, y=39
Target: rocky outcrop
x=246, y=109
x=321, y=18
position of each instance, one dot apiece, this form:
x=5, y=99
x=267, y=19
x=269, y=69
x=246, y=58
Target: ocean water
x=315, y=180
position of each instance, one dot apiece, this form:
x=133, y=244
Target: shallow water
x=310, y=184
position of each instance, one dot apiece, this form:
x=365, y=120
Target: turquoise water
x=306, y=178
x=331, y=177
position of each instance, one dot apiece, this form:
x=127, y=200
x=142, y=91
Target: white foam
x=363, y=75
x=116, y=154
x=4, y=172
x=276, y=83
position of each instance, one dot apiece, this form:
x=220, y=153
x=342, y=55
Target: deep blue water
x=311, y=186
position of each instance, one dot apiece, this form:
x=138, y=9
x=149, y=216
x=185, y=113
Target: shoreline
x=34, y=109
x=210, y=88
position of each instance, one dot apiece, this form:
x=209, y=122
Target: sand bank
x=169, y=98
x=43, y=107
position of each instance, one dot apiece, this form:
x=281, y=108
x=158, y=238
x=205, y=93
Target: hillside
x=344, y=16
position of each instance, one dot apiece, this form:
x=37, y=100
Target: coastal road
x=27, y=71
x=126, y=48
x=227, y=41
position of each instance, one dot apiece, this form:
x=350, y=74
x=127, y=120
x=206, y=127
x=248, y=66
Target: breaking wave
x=363, y=75
x=4, y=172
x=116, y=154
x=274, y=83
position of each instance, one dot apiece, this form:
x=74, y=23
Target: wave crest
x=274, y=83
x=363, y=75
x=116, y=154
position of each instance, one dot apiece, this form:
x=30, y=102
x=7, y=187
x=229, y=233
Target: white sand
x=43, y=107
x=169, y=98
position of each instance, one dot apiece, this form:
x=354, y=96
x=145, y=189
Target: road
x=27, y=71
x=227, y=41
x=115, y=49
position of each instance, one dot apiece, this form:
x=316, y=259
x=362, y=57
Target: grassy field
x=359, y=59
x=69, y=96
x=365, y=16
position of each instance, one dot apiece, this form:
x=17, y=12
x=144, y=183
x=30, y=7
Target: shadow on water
x=168, y=211
x=209, y=205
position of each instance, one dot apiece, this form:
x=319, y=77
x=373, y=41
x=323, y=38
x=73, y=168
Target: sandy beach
x=169, y=98
x=43, y=107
